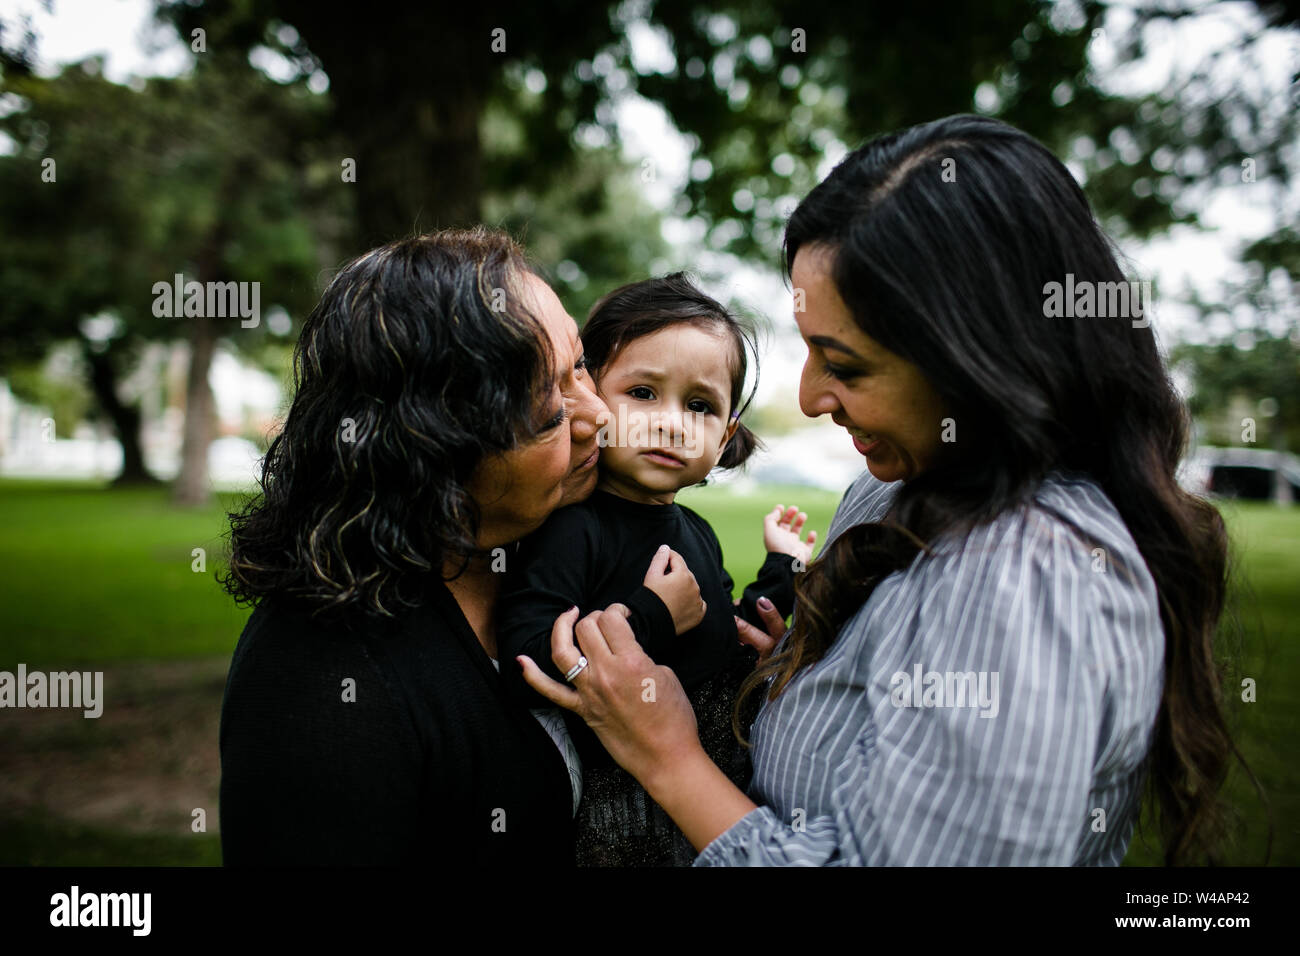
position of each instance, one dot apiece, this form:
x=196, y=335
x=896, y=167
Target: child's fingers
x=812, y=538
x=675, y=561
x=659, y=563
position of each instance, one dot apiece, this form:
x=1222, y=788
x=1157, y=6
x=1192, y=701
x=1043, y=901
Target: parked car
x=1249, y=473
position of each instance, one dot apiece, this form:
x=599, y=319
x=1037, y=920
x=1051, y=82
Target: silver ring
x=576, y=669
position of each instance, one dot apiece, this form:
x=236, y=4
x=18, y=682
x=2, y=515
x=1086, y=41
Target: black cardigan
x=432, y=763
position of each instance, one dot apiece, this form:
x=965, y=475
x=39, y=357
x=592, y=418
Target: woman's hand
x=670, y=578
x=781, y=529
x=636, y=707
x=772, y=620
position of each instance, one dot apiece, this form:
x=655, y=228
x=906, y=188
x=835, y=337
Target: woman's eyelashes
x=839, y=372
x=558, y=419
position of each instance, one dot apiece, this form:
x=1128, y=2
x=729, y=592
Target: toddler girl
x=670, y=363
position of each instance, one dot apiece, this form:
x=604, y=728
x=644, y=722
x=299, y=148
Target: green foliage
x=207, y=174
x=1224, y=372
x=66, y=397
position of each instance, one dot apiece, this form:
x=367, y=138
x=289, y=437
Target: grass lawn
x=105, y=577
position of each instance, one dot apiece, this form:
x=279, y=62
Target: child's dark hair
x=642, y=308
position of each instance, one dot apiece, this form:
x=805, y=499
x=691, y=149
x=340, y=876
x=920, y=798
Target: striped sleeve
x=997, y=775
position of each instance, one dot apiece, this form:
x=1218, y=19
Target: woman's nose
x=815, y=400
x=587, y=408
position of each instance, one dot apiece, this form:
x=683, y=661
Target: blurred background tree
x=508, y=114
x=208, y=175
x=761, y=90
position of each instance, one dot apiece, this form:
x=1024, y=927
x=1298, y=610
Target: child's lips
x=663, y=457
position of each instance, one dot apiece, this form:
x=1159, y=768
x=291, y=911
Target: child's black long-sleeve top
x=596, y=553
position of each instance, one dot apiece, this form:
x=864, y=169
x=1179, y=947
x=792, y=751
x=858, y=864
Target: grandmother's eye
x=558, y=420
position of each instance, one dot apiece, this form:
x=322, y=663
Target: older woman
x=1011, y=626
x=441, y=412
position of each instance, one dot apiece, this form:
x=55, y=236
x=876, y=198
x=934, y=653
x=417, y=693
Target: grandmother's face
x=892, y=413
x=516, y=491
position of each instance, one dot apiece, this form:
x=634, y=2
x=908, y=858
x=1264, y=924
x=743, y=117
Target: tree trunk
x=125, y=418
x=193, y=487
x=418, y=165
x=410, y=107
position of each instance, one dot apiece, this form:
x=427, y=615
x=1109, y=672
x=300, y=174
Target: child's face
x=669, y=397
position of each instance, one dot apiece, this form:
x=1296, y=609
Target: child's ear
x=731, y=430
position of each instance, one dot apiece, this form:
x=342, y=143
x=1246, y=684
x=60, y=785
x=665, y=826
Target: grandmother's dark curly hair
x=419, y=361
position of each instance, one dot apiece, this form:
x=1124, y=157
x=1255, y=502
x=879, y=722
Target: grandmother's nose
x=587, y=408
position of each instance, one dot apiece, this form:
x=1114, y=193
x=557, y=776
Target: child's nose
x=671, y=419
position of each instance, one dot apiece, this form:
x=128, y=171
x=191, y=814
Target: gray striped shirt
x=992, y=704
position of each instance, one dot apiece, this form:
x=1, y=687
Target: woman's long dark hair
x=944, y=237
x=419, y=361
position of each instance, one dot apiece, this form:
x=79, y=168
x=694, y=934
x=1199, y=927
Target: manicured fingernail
x=765, y=604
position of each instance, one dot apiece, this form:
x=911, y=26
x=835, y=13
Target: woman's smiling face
x=889, y=408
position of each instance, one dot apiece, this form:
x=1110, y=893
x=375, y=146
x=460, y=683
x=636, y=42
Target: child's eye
x=704, y=409
x=649, y=395
x=583, y=365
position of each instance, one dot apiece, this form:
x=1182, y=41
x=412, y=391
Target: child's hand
x=672, y=580
x=781, y=528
